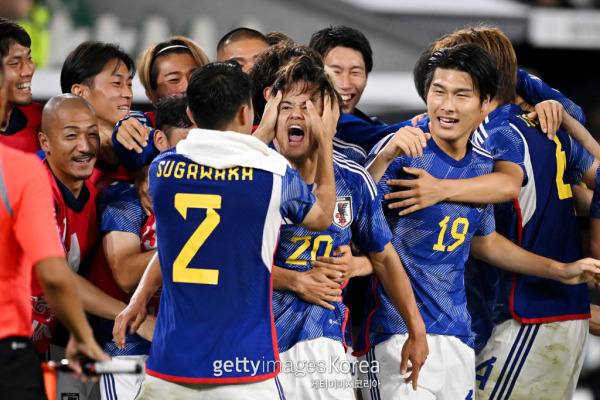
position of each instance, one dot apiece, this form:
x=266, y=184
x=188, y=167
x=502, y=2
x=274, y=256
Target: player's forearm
x=325, y=185
x=379, y=165
x=129, y=270
x=97, y=302
x=595, y=320
x=595, y=238
x=395, y=281
x=150, y=282
x=499, y=251
x=491, y=188
x=61, y=293
x=284, y=279
x=361, y=265
x=581, y=134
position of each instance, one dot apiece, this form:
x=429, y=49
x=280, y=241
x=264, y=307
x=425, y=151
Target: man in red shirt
x=23, y=117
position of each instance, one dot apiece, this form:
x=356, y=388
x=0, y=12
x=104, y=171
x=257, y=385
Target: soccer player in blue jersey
x=128, y=244
x=219, y=198
x=535, y=174
x=308, y=332
x=434, y=242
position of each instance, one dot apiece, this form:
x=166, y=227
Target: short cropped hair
x=240, y=34
x=171, y=113
x=216, y=92
x=11, y=32
x=265, y=70
x=343, y=36
x=148, y=73
x=468, y=58
x=87, y=60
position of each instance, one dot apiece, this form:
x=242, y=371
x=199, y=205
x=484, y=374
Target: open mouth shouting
x=295, y=135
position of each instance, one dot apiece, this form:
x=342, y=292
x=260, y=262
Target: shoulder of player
x=353, y=174
x=117, y=191
x=341, y=145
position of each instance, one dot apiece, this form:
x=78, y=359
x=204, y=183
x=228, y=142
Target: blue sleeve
x=296, y=197
x=595, y=208
x=507, y=144
x=130, y=158
x=370, y=230
x=119, y=209
x=579, y=160
x=533, y=90
x=354, y=130
x=377, y=148
x=486, y=224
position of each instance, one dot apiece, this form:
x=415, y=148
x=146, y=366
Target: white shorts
x=316, y=369
x=448, y=373
x=160, y=389
x=122, y=386
x=532, y=361
x=69, y=387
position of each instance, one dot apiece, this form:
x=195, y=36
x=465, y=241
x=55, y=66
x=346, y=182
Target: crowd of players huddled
x=402, y=276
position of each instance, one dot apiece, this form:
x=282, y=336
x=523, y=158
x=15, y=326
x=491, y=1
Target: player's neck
x=456, y=149
x=7, y=112
x=73, y=184
x=307, y=167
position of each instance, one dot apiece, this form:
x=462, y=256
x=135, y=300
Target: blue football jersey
x=217, y=233
x=358, y=217
x=119, y=209
x=542, y=220
x=433, y=244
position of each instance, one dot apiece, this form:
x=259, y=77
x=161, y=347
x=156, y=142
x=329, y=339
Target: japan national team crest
x=342, y=213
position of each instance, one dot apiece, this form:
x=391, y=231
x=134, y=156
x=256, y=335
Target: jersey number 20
x=181, y=272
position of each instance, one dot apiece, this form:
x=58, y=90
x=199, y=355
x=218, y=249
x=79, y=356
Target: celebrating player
x=460, y=83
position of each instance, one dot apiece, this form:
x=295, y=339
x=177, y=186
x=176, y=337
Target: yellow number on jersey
x=564, y=190
x=454, y=231
x=293, y=259
x=181, y=273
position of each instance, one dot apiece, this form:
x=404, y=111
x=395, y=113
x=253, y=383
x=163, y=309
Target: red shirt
x=29, y=235
x=23, y=127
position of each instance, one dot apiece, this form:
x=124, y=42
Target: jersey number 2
x=181, y=272
x=564, y=190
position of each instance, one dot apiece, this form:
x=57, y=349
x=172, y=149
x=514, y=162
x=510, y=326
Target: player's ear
x=189, y=114
x=267, y=93
x=160, y=140
x=80, y=90
x=43, y=139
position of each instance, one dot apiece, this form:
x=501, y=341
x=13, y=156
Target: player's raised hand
x=408, y=141
x=317, y=286
x=131, y=317
x=415, y=350
x=331, y=114
x=133, y=135
x=422, y=192
x=585, y=270
x=317, y=124
x=266, y=129
x=550, y=115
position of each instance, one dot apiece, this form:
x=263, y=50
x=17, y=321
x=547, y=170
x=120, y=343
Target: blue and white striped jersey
x=358, y=217
x=433, y=244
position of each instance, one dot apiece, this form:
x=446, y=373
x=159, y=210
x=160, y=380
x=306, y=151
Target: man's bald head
x=60, y=102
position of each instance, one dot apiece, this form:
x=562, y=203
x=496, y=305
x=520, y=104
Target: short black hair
x=240, y=34
x=344, y=36
x=264, y=72
x=468, y=58
x=420, y=70
x=87, y=60
x=216, y=92
x=171, y=113
x=12, y=33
